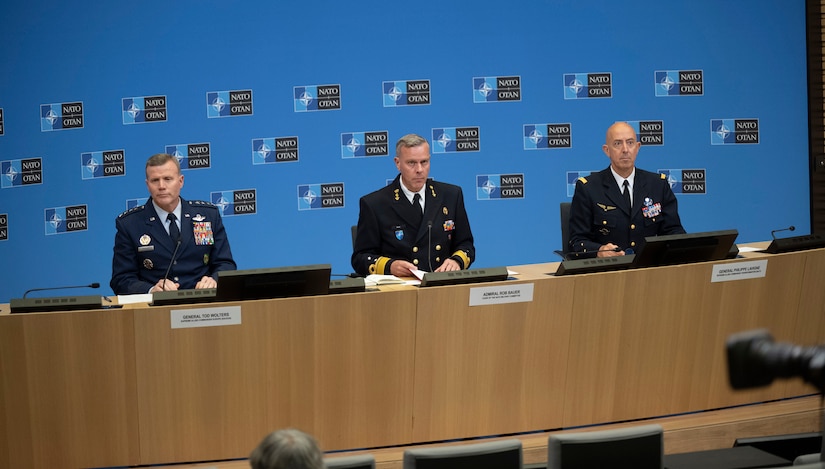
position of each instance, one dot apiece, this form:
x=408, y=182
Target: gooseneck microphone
x=171, y=261
x=773, y=232
x=91, y=285
x=430, y=244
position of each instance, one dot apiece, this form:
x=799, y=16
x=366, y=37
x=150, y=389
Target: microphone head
x=791, y=227
x=94, y=285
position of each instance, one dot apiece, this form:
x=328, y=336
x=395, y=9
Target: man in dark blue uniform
x=613, y=210
x=414, y=223
x=148, y=236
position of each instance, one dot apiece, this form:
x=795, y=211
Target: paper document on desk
x=375, y=279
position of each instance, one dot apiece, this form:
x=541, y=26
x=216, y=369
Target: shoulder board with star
x=201, y=203
x=132, y=210
x=662, y=176
x=583, y=180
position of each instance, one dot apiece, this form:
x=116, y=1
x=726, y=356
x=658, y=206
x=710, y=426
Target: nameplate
x=500, y=294
x=205, y=317
x=739, y=271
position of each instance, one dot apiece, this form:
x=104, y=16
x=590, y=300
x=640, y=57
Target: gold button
x=415, y=261
x=633, y=243
x=438, y=259
x=604, y=222
x=437, y=247
x=415, y=248
x=632, y=226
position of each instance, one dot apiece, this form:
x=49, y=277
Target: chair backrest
x=564, y=214
x=502, y=454
x=353, y=231
x=639, y=447
x=361, y=461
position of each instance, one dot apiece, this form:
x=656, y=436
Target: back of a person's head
x=287, y=449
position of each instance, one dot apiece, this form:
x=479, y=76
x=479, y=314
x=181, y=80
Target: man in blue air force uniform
x=414, y=223
x=613, y=210
x=147, y=236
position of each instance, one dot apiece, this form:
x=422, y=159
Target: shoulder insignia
x=662, y=176
x=132, y=210
x=201, y=203
x=583, y=180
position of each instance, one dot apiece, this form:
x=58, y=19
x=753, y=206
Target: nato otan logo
x=228, y=103
x=492, y=89
x=60, y=220
x=16, y=173
x=274, y=150
x=406, y=93
x=61, y=116
x=320, y=196
x=679, y=83
x=4, y=226
x=456, y=139
x=132, y=203
x=686, y=181
x=1, y=122
x=572, y=177
x=142, y=109
x=191, y=155
x=236, y=202
x=317, y=98
x=499, y=186
x=99, y=164
x=734, y=131
x=544, y=136
x=364, y=144
x=588, y=85
x=649, y=132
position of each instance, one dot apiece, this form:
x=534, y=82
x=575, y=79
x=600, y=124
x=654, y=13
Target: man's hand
x=401, y=268
x=206, y=282
x=609, y=250
x=448, y=265
x=164, y=285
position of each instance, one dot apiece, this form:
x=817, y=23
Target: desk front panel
x=339, y=367
x=492, y=369
x=67, y=390
x=652, y=342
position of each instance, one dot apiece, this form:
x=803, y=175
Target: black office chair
x=363, y=461
x=353, y=231
x=564, y=213
x=639, y=447
x=502, y=454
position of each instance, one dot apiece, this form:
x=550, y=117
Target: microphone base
x=56, y=303
x=796, y=243
x=347, y=285
x=456, y=277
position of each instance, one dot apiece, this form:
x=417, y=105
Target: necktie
x=417, y=206
x=174, y=231
x=626, y=193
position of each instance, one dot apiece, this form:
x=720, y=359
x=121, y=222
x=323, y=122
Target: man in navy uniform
x=414, y=223
x=149, y=235
x=613, y=210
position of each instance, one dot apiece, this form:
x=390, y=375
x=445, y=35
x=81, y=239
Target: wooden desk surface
x=392, y=367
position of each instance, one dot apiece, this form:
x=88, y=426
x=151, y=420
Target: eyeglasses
x=618, y=144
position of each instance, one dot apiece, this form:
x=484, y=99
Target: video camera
x=755, y=360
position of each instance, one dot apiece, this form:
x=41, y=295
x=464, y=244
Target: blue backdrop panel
x=719, y=90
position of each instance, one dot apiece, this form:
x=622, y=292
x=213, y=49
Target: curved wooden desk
x=388, y=368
